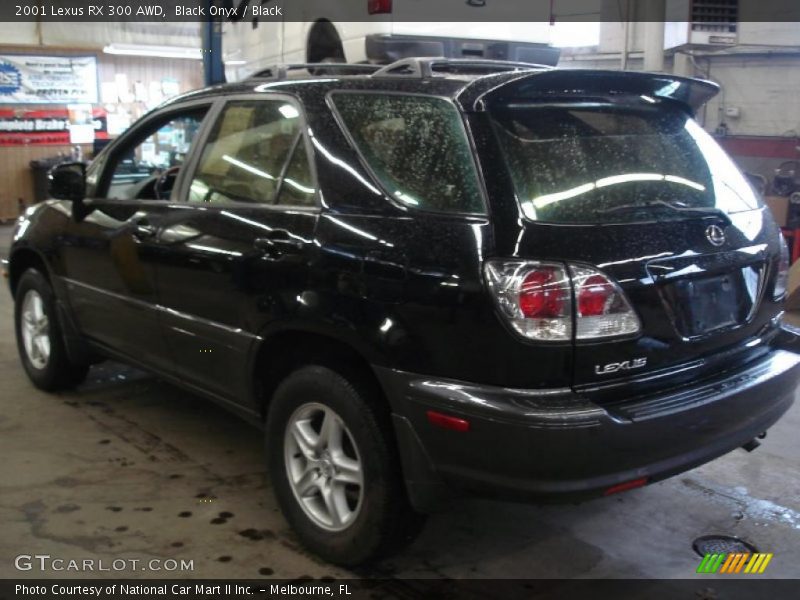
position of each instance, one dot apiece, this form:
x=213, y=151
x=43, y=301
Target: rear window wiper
x=697, y=212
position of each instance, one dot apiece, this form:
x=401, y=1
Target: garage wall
x=15, y=174
x=763, y=88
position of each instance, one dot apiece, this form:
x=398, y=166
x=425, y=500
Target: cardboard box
x=779, y=205
x=793, y=289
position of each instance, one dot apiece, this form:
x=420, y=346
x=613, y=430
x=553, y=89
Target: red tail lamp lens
x=594, y=295
x=541, y=295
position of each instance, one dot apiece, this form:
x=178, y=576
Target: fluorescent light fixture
x=235, y=62
x=154, y=51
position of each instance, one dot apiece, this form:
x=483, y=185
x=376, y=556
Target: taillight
x=782, y=278
x=537, y=300
x=594, y=296
x=541, y=295
x=379, y=7
x=602, y=309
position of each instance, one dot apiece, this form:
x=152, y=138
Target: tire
x=39, y=338
x=375, y=518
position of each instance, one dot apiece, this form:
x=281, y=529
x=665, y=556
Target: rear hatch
x=615, y=174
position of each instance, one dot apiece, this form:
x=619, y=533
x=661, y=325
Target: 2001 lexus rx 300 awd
x=495, y=278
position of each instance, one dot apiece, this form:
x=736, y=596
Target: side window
x=297, y=187
x=255, y=153
x=147, y=166
x=417, y=147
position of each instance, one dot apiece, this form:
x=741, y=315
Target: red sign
x=43, y=127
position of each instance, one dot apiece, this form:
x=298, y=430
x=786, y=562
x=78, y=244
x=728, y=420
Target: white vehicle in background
x=382, y=36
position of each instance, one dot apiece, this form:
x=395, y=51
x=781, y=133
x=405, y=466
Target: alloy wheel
x=35, y=329
x=323, y=466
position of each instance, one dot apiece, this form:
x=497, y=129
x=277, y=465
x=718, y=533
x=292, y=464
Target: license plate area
x=701, y=305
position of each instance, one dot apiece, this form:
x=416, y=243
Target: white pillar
x=682, y=65
x=654, y=35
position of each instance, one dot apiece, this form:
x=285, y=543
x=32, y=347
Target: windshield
x=609, y=163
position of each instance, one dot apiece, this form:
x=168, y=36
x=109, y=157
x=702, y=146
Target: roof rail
x=426, y=67
x=281, y=72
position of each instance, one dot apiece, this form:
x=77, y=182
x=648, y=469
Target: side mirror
x=67, y=181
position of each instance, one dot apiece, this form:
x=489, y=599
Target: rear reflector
x=447, y=422
x=624, y=487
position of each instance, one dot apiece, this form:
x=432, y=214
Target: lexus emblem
x=715, y=235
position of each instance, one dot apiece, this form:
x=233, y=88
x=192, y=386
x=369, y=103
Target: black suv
x=520, y=282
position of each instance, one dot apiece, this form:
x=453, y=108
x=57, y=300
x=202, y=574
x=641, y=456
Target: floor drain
x=722, y=544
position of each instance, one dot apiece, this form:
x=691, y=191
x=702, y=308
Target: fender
x=78, y=350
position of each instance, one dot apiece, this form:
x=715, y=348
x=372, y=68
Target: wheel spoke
x=42, y=325
x=45, y=342
x=38, y=311
x=304, y=438
x=347, y=471
x=336, y=504
x=330, y=435
x=308, y=482
x=39, y=342
x=33, y=351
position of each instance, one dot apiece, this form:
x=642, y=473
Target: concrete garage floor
x=130, y=467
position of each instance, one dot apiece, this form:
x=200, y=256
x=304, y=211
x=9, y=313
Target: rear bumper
x=383, y=48
x=555, y=445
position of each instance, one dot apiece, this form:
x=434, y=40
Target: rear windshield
x=608, y=163
x=417, y=147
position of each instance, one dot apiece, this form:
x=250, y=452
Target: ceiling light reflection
x=539, y=202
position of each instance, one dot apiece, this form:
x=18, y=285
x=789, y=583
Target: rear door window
x=417, y=148
x=609, y=163
x=256, y=153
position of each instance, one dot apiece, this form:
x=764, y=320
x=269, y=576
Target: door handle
x=278, y=242
x=143, y=230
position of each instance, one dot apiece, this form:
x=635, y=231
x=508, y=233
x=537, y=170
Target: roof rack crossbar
x=426, y=67
x=281, y=71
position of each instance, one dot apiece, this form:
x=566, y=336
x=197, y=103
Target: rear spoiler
x=541, y=85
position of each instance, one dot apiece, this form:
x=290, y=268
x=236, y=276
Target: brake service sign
x=29, y=79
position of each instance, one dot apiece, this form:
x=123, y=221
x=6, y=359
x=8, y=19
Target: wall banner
x=44, y=127
x=30, y=79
